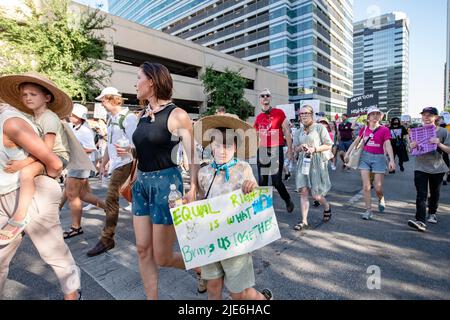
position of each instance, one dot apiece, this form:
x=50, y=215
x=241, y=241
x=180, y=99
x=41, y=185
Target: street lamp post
x=387, y=113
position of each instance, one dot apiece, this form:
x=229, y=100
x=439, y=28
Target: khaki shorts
x=237, y=272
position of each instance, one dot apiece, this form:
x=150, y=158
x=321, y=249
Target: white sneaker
x=367, y=215
x=127, y=208
x=432, y=218
x=89, y=207
x=418, y=225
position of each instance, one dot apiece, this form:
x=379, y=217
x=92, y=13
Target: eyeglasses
x=265, y=96
x=305, y=113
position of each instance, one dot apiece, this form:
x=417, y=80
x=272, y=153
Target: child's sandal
x=11, y=235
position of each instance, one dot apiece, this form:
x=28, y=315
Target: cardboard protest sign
x=422, y=136
x=289, y=110
x=100, y=111
x=358, y=105
x=315, y=104
x=405, y=118
x=215, y=229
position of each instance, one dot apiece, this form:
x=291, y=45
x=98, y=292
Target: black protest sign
x=358, y=105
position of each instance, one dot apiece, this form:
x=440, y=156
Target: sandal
x=301, y=226
x=267, y=293
x=201, y=284
x=11, y=235
x=73, y=232
x=327, y=215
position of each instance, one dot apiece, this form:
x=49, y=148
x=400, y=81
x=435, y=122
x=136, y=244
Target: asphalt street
x=341, y=259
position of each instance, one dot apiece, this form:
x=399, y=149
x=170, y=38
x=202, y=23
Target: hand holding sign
x=423, y=138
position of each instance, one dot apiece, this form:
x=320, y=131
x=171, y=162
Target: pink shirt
x=376, y=144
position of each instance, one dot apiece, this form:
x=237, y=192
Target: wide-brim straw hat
x=323, y=120
x=247, y=137
x=61, y=103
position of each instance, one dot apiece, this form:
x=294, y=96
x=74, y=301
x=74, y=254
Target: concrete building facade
x=131, y=44
x=134, y=44
x=308, y=40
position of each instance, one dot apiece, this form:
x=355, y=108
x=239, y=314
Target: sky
x=427, y=44
x=102, y=4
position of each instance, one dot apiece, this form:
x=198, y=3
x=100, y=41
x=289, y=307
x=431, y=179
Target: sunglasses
x=265, y=96
x=305, y=113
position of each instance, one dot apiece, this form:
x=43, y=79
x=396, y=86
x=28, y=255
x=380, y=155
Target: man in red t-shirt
x=273, y=131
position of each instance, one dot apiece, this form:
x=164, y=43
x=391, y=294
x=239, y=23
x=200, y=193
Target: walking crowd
x=44, y=134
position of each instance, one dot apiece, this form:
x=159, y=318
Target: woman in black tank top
x=161, y=127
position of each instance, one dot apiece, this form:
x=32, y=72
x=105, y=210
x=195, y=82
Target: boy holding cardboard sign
x=228, y=136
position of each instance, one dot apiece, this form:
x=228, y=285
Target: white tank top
x=10, y=181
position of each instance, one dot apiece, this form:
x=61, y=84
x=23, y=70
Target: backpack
x=119, y=122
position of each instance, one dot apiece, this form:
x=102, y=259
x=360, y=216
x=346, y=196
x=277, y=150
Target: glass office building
x=381, y=60
x=309, y=40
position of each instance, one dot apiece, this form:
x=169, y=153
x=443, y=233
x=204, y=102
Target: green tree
x=226, y=89
x=57, y=41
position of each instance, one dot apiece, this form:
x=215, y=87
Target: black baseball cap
x=431, y=110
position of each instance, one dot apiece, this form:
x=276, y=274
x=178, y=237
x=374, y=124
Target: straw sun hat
x=247, y=138
x=61, y=104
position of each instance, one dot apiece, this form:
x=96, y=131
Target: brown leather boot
x=101, y=246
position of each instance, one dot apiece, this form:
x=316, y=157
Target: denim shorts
x=375, y=163
x=64, y=161
x=151, y=191
x=78, y=174
x=345, y=145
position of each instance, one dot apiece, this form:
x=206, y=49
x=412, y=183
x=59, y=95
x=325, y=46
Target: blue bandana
x=224, y=167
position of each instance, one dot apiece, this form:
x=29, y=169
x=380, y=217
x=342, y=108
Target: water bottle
x=175, y=197
x=123, y=143
x=306, y=164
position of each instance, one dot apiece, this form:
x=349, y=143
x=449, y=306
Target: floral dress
x=318, y=180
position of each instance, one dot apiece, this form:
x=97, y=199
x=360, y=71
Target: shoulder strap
x=212, y=181
x=122, y=119
x=371, y=136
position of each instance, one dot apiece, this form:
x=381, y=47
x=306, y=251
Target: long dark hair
x=162, y=80
x=395, y=119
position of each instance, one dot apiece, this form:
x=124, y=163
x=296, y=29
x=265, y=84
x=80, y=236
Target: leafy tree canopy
x=59, y=42
x=226, y=89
